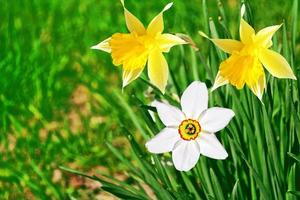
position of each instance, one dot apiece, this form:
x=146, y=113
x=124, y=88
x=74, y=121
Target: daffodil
x=248, y=56
x=133, y=50
x=190, y=131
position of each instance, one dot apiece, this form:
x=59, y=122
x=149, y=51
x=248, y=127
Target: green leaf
x=217, y=187
x=115, y=189
x=292, y=178
x=234, y=193
x=297, y=158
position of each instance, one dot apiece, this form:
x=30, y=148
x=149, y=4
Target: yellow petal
x=158, y=70
x=219, y=81
x=254, y=72
x=103, y=46
x=246, y=32
x=133, y=23
x=276, y=64
x=126, y=50
x=259, y=87
x=227, y=45
x=130, y=75
x=234, y=69
x=269, y=44
x=167, y=41
x=157, y=24
x=239, y=69
x=265, y=35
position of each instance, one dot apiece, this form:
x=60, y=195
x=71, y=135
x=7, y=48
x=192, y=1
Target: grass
x=62, y=108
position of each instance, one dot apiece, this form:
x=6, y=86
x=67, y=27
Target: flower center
x=249, y=69
x=189, y=129
x=149, y=42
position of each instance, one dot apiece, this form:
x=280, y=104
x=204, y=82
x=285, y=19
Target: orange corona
x=189, y=129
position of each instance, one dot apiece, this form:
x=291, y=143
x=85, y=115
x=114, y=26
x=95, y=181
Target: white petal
x=185, y=155
x=215, y=119
x=194, y=99
x=164, y=141
x=169, y=115
x=210, y=146
x=151, y=113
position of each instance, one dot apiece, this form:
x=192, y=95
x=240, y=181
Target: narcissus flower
x=189, y=132
x=134, y=49
x=248, y=56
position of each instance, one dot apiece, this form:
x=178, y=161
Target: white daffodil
x=189, y=132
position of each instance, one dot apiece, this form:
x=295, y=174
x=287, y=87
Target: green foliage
x=61, y=104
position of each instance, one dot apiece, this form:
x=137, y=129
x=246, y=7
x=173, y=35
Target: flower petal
x=133, y=23
x=215, y=119
x=157, y=24
x=103, y=46
x=276, y=64
x=194, y=100
x=158, y=70
x=130, y=75
x=164, y=141
x=211, y=147
x=219, y=81
x=249, y=69
x=243, y=10
x=246, y=32
x=226, y=45
x=167, y=41
x=168, y=114
x=265, y=35
x=126, y=50
x=259, y=87
x=185, y=155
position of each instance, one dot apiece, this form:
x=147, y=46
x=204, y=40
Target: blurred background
x=61, y=102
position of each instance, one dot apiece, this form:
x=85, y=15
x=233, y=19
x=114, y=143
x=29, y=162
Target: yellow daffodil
x=248, y=56
x=134, y=49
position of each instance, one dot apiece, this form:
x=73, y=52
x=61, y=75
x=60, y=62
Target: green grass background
x=61, y=104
